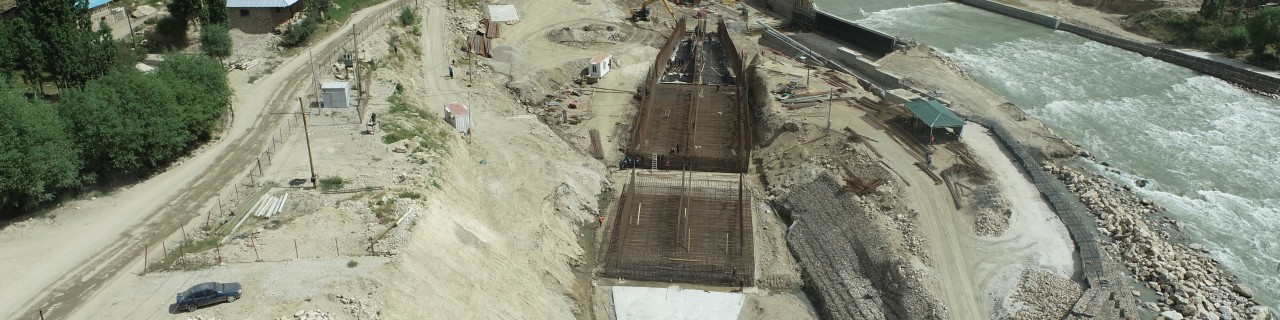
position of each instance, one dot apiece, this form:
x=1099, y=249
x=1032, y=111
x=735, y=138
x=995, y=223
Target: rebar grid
x=683, y=228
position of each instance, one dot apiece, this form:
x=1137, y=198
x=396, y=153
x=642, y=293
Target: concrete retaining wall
x=865, y=38
x=1036, y=18
x=1227, y=72
x=783, y=8
x=1230, y=73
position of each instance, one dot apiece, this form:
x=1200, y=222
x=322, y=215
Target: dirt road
x=57, y=266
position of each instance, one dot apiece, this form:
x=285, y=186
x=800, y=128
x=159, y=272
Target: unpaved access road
x=56, y=267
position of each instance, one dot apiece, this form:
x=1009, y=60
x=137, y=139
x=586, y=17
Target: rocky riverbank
x=1186, y=280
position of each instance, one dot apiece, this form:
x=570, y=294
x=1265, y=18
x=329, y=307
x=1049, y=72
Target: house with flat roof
x=261, y=16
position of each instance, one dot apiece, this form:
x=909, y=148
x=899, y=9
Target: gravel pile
x=1187, y=281
x=311, y=315
x=1045, y=295
x=360, y=309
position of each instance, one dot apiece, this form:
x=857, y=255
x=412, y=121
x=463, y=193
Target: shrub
x=300, y=32
x=408, y=17
x=215, y=41
x=331, y=183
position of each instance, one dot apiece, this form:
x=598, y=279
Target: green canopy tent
x=935, y=115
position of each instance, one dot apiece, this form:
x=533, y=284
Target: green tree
x=1264, y=30
x=215, y=12
x=37, y=158
x=1212, y=9
x=1235, y=40
x=56, y=38
x=8, y=49
x=201, y=89
x=215, y=41
x=185, y=10
x=125, y=122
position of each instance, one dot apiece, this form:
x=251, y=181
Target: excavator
x=642, y=14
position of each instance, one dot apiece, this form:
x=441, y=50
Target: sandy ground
x=976, y=276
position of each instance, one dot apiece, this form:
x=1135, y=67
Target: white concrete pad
x=636, y=303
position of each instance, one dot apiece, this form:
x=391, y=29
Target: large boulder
x=1243, y=290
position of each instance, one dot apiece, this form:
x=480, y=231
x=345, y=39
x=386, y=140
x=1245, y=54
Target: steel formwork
x=681, y=229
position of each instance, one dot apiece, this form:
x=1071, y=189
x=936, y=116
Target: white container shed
x=599, y=66
x=459, y=116
x=335, y=94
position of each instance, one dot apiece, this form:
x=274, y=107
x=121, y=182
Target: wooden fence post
x=254, y=242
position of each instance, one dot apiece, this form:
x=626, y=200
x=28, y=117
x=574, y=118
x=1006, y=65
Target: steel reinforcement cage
x=683, y=230
x=668, y=117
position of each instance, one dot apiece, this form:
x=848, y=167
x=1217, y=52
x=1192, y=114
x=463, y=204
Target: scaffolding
x=689, y=228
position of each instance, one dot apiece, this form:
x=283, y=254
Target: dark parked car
x=207, y=293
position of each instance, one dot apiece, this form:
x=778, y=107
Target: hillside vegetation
x=102, y=120
x=1244, y=29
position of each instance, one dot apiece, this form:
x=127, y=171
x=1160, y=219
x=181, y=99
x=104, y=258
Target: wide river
x=1210, y=148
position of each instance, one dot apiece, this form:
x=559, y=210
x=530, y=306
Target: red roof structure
x=457, y=109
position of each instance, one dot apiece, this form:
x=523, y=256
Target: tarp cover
x=97, y=3
x=934, y=114
x=503, y=13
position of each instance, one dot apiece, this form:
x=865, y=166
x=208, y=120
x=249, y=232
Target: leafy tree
x=201, y=90
x=1264, y=30
x=37, y=158
x=56, y=37
x=215, y=12
x=8, y=49
x=300, y=32
x=185, y=10
x=215, y=41
x=173, y=30
x=1235, y=40
x=125, y=122
x=1212, y=9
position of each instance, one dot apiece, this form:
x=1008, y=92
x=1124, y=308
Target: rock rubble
x=1045, y=295
x=1186, y=281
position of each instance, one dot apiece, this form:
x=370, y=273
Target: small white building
x=599, y=66
x=457, y=114
x=335, y=94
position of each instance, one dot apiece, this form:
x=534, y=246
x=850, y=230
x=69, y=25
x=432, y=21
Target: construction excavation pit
x=693, y=114
x=683, y=227
x=691, y=224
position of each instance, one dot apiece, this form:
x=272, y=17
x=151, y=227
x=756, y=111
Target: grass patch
x=384, y=210
x=331, y=183
x=342, y=9
x=411, y=195
x=416, y=123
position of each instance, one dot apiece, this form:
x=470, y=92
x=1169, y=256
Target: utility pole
x=355, y=52
x=471, y=67
x=830, y=96
x=128, y=16
x=307, y=133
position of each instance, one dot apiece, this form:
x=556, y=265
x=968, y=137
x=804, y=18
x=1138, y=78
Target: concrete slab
x=636, y=303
